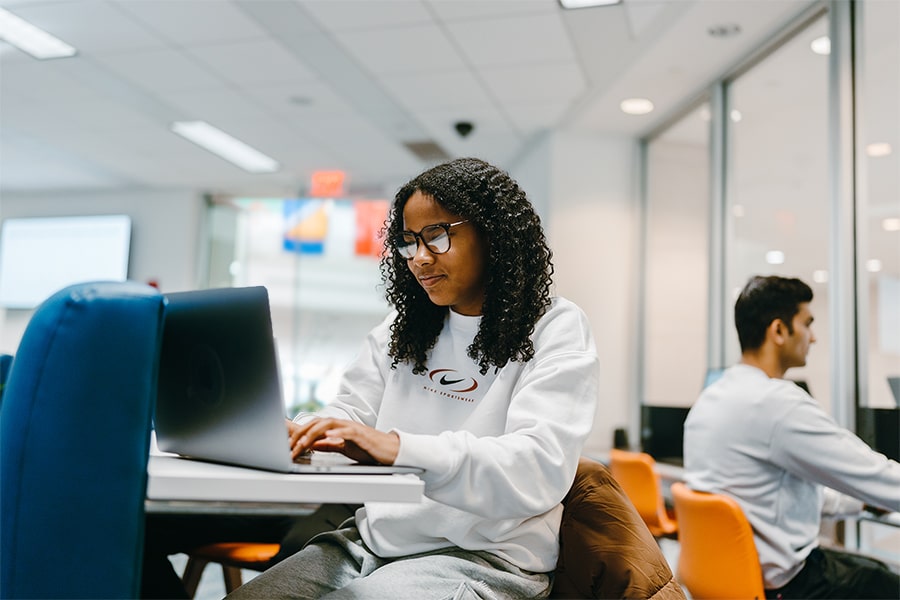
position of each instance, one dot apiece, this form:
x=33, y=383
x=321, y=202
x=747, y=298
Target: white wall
x=166, y=229
x=592, y=228
x=677, y=272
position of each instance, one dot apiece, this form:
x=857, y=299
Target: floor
x=212, y=586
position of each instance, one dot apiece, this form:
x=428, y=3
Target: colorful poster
x=306, y=225
x=370, y=218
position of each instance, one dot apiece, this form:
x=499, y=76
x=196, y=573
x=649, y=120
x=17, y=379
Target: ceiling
x=351, y=85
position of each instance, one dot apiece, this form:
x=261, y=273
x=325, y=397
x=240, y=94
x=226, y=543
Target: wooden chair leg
x=232, y=577
x=193, y=570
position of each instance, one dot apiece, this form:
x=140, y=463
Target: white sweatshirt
x=767, y=443
x=499, y=450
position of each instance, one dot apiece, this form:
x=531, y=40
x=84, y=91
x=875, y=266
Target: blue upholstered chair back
x=75, y=427
x=5, y=364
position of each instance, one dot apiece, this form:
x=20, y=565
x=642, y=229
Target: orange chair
x=718, y=556
x=232, y=556
x=636, y=473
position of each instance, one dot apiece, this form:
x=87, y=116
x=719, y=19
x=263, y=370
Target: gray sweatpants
x=337, y=564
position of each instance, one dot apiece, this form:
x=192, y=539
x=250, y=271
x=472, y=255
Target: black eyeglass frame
x=399, y=246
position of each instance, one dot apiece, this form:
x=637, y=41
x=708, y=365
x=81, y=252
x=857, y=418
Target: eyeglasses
x=435, y=237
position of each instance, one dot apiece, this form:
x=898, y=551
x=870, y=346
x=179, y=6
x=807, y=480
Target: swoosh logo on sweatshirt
x=451, y=380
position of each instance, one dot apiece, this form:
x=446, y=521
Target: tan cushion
x=606, y=550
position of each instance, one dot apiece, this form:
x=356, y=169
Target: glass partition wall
x=878, y=201
x=777, y=215
x=676, y=224
x=801, y=175
x=318, y=259
x=877, y=212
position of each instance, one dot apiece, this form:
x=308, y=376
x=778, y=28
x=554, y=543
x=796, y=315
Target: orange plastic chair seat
x=718, y=557
x=636, y=473
x=239, y=554
x=232, y=556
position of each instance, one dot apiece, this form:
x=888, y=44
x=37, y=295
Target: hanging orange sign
x=327, y=184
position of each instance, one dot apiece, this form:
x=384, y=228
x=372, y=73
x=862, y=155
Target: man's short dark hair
x=763, y=300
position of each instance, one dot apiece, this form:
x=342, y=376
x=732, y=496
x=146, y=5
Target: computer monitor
x=712, y=375
x=880, y=428
x=662, y=432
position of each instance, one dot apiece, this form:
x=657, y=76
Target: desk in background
x=179, y=485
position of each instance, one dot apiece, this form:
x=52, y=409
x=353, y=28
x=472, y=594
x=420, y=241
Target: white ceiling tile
x=161, y=71
x=454, y=10
x=513, y=40
x=42, y=79
x=402, y=50
x=306, y=100
x=534, y=117
x=253, y=63
x=603, y=42
x=641, y=15
x=536, y=83
x=194, y=22
x=350, y=15
x=430, y=90
x=102, y=113
x=11, y=55
x=214, y=105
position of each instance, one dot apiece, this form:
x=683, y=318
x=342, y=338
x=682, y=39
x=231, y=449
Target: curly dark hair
x=519, y=267
x=763, y=300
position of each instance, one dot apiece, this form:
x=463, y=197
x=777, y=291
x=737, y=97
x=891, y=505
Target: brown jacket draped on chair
x=606, y=550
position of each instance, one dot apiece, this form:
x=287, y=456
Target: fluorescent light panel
x=230, y=148
x=587, y=3
x=28, y=38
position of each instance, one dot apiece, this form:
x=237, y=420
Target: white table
x=180, y=485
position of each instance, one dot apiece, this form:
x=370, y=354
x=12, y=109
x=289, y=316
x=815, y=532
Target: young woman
x=481, y=378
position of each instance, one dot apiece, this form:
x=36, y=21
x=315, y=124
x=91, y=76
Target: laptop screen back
x=219, y=395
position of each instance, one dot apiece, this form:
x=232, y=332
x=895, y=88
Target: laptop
x=219, y=391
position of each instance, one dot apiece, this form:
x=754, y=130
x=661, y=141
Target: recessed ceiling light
x=230, y=148
x=891, y=224
x=736, y=115
x=587, y=3
x=878, y=149
x=775, y=257
x=873, y=265
x=28, y=38
x=820, y=276
x=636, y=106
x=725, y=30
x=821, y=45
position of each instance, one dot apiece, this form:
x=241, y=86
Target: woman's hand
x=354, y=440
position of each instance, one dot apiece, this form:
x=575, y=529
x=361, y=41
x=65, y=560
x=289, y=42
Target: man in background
x=763, y=441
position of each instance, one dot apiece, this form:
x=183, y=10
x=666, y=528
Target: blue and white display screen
x=41, y=255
